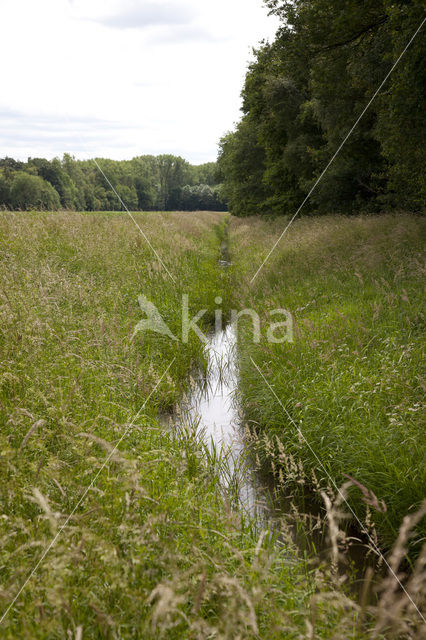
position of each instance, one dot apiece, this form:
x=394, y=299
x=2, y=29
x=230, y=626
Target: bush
x=32, y=192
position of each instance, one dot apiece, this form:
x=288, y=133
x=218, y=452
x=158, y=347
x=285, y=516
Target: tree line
x=145, y=183
x=304, y=91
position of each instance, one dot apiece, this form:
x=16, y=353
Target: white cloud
x=140, y=15
x=171, y=83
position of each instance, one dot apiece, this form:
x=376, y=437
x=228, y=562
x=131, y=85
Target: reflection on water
x=213, y=407
x=213, y=400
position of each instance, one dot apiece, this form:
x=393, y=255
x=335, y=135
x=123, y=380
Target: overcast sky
x=120, y=78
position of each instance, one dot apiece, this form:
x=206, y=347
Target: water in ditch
x=213, y=407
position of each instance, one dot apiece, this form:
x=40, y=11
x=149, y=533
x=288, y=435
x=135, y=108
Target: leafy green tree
x=304, y=92
x=4, y=190
x=201, y=197
x=143, y=183
x=242, y=164
x=174, y=173
x=145, y=172
x=32, y=192
x=205, y=174
x=54, y=173
x=78, y=179
x=402, y=108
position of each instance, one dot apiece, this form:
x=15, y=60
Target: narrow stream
x=213, y=407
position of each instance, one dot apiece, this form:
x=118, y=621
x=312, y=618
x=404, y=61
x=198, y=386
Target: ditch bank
x=214, y=409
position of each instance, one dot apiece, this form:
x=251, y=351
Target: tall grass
x=352, y=380
x=155, y=550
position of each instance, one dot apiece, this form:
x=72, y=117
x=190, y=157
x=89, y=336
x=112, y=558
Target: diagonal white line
x=86, y=491
x=339, y=492
x=124, y=205
x=134, y=220
x=342, y=144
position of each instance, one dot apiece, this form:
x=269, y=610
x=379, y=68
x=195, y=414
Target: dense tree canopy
x=304, y=92
x=32, y=192
x=145, y=183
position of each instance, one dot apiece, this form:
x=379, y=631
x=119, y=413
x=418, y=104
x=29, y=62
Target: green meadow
x=115, y=525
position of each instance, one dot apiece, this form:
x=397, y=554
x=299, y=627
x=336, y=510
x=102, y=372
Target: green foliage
x=144, y=183
x=32, y=192
x=201, y=197
x=401, y=117
x=205, y=174
x=54, y=173
x=304, y=92
x=4, y=190
x=242, y=163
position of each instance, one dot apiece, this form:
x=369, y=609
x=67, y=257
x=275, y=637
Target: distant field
x=354, y=377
